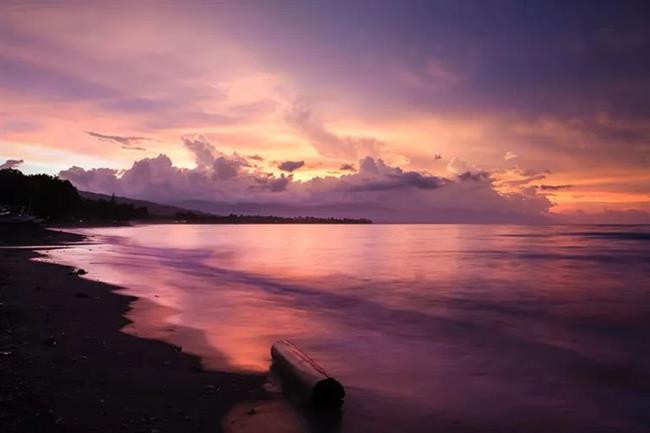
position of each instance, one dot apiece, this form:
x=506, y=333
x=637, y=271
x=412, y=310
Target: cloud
x=11, y=163
x=326, y=142
x=102, y=180
x=437, y=156
x=477, y=176
x=554, y=187
x=347, y=167
x=290, y=166
x=463, y=170
x=255, y=158
x=224, y=168
x=517, y=177
x=279, y=184
x=376, y=175
x=202, y=150
x=382, y=192
x=127, y=142
x=510, y=155
x=458, y=166
x=207, y=158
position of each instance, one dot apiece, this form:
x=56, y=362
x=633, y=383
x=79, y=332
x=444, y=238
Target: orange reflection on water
x=416, y=319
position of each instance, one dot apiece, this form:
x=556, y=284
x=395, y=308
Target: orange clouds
x=288, y=88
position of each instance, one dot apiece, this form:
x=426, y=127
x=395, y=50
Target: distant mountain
x=192, y=213
x=155, y=209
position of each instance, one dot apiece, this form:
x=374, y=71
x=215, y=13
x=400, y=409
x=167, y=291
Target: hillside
x=155, y=209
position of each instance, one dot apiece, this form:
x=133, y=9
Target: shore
x=66, y=367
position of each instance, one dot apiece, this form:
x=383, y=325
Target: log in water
x=299, y=368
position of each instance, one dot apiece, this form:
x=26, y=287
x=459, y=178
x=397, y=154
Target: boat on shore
x=17, y=215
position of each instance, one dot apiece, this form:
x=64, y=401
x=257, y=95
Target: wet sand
x=66, y=367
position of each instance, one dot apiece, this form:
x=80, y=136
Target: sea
x=450, y=328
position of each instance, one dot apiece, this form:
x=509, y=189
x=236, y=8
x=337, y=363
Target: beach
x=66, y=367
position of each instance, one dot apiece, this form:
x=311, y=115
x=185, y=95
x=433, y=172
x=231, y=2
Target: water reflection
x=451, y=327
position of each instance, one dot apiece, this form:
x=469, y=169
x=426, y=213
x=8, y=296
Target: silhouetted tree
x=54, y=199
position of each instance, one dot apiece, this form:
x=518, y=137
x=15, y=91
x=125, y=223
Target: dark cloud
x=224, y=168
x=255, y=158
x=279, y=184
x=134, y=148
x=127, y=142
x=437, y=156
x=479, y=176
x=554, y=187
x=409, y=179
x=347, y=167
x=290, y=166
x=375, y=175
x=11, y=163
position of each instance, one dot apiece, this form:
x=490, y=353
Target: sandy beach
x=66, y=367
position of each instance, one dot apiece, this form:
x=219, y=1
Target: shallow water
x=430, y=327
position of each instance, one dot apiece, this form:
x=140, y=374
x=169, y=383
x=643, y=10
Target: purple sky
x=405, y=111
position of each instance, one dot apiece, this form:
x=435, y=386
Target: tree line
x=199, y=218
x=57, y=200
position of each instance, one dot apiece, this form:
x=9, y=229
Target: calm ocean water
x=431, y=327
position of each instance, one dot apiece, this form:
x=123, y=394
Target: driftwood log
x=302, y=371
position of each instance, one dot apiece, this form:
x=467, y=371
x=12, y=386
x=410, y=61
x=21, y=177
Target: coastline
x=65, y=365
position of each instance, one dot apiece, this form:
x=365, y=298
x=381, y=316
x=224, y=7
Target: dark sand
x=66, y=367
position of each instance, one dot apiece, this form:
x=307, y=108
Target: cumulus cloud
x=326, y=142
x=458, y=166
x=224, y=183
x=376, y=175
x=279, y=184
x=290, y=166
x=463, y=170
x=127, y=142
x=208, y=158
x=102, y=180
x=202, y=150
x=224, y=168
x=11, y=163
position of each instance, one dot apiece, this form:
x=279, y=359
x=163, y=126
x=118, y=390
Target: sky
x=414, y=111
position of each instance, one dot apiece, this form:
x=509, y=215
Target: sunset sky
x=404, y=111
